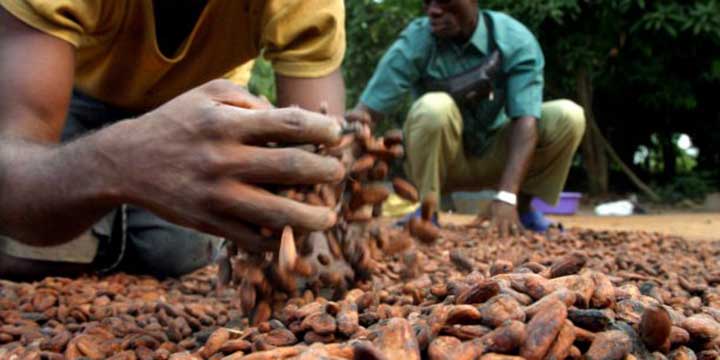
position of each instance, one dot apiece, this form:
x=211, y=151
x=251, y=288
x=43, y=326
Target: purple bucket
x=567, y=205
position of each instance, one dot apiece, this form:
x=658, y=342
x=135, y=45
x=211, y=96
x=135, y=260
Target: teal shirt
x=417, y=56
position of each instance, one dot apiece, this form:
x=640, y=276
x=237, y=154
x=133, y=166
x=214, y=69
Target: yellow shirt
x=118, y=61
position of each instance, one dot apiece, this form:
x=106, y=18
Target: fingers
x=285, y=126
x=260, y=207
x=358, y=116
x=284, y=166
x=241, y=234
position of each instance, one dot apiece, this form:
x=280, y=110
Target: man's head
x=452, y=19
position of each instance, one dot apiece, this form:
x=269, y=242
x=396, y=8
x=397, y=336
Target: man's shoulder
x=508, y=29
x=418, y=30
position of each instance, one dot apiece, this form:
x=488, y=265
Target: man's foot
x=416, y=214
x=535, y=220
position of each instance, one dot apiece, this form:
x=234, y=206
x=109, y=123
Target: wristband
x=506, y=197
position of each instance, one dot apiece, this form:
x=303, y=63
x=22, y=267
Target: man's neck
x=468, y=31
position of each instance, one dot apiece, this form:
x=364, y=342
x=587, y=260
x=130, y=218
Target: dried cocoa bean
x=565, y=296
x=655, y=327
x=609, y=345
x=701, y=326
x=479, y=292
x=560, y=348
x=499, y=309
x=397, y=340
x=216, y=340
x=461, y=261
x=567, y=265
x=591, y=319
x=542, y=330
x=424, y=230
x=320, y=323
x=405, y=190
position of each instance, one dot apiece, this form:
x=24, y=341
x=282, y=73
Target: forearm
x=312, y=93
x=50, y=194
x=521, y=145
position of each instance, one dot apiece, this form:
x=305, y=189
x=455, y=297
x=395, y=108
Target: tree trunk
x=594, y=157
x=595, y=148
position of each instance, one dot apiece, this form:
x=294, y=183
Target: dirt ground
x=692, y=226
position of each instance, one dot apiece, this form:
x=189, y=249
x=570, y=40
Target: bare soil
x=691, y=226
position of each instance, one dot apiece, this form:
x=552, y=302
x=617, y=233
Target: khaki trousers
x=436, y=161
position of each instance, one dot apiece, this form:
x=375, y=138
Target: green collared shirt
x=418, y=56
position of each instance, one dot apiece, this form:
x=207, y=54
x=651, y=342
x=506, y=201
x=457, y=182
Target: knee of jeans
x=573, y=116
x=168, y=253
x=434, y=110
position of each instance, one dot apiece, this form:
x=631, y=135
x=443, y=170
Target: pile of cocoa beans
x=343, y=256
x=470, y=295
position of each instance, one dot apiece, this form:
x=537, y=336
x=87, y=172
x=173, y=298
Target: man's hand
x=502, y=216
x=200, y=160
x=356, y=115
x=363, y=114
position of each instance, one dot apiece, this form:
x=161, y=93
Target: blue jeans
x=133, y=239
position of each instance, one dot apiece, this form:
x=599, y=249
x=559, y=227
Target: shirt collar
x=479, y=37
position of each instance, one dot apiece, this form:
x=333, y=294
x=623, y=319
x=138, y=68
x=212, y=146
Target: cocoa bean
x=499, y=309
x=604, y=294
x=446, y=348
x=591, y=319
x=701, y=326
x=655, y=327
x=320, y=323
x=501, y=267
x=560, y=348
x=465, y=332
x=461, y=261
x=424, y=230
x=347, y=318
x=565, y=296
x=216, y=340
x=397, y=340
x=363, y=164
x=288, y=254
x=233, y=346
x=682, y=353
x=609, y=345
x=479, y=292
x=493, y=356
x=405, y=190
x=678, y=336
x=542, y=330
x=367, y=351
x=507, y=338
x=567, y=265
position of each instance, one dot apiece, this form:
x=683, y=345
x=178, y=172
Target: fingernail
x=339, y=170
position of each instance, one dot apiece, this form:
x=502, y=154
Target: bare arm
x=522, y=142
x=39, y=179
x=310, y=93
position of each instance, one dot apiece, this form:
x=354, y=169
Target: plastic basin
x=567, y=205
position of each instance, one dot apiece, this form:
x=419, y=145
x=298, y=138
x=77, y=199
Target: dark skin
x=202, y=155
x=456, y=20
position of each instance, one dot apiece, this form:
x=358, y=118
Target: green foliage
x=262, y=81
x=691, y=186
x=371, y=27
